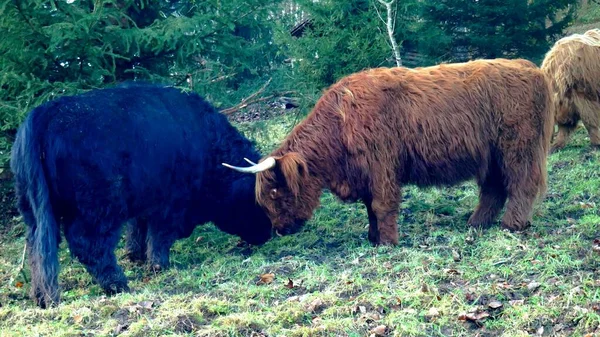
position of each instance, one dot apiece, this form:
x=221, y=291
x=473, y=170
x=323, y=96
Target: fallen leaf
x=19, y=284
x=198, y=239
x=362, y=309
x=516, y=302
x=266, y=278
x=146, y=304
x=432, y=313
x=290, y=284
x=587, y=205
x=532, y=286
x=387, y=265
x=540, y=331
x=452, y=271
x=456, y=256
x=379, y=330
x=473, y=316
x=77, y=319
x=494, y=304
x=315, y=305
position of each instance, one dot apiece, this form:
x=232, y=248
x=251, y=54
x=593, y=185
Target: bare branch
x=254, y=99
x=390, y=24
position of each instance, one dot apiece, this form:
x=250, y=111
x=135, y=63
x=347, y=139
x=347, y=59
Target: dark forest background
x=235, y=52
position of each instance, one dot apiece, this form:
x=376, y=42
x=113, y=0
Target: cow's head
x=285, y=189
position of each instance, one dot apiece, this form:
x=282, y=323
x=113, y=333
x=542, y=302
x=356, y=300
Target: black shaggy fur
x=141, y=153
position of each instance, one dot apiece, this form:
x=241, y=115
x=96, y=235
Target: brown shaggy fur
x=573, y=68
x=379, y=129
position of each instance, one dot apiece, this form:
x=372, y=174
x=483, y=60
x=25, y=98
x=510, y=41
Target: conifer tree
x=58, y=47
x=468, y=29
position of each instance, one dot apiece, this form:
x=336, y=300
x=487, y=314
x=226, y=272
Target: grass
x=546, y=279
x=588, y=17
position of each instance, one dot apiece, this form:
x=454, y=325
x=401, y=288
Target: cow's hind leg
x=136, y=232
x=94, y=246
x=161, y=236
x=564, y=133
x=524, y=178
x=373, y=230
x=492, y=196
x=590, y=116
x=385, y=209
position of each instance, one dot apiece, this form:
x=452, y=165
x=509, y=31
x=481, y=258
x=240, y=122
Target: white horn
x=262, y=166
x=250, y=161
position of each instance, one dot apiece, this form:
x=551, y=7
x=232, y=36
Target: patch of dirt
x=186, y=324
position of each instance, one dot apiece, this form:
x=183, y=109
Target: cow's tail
x=33, y=195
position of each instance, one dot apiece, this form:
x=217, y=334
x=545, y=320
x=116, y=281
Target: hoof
x=116, y=288
x=517, y=227
x=136, y=257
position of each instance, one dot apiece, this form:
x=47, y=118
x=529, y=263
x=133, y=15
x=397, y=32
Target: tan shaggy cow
x=376, y=130
x=573, y=68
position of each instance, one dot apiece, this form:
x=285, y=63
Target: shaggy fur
x=379, y=129
x=573, y=68
x=143, y=153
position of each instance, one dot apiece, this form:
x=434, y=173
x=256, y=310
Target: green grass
x=342, y=285
x=588, y=17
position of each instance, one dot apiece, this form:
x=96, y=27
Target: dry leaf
x=596, y=246
x=19, y=284
x=198, y=239
x=432, y=313
x=532, y=286
x=146, y=304
x=456, y=256
x=379, y=330
x=474, y=316
x=315, y=305
x=362, y=309
x=516, y=302
x=494, y=304
x=290, y=284
x=266, y=278
x=452, y=271
x=387, y=265
x=77, y=319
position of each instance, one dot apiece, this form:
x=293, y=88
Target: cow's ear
x=294, y=168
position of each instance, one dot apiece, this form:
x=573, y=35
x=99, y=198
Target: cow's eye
x=273, y=193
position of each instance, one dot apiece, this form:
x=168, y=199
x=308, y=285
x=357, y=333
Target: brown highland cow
x=376, y=130
x=573, y=68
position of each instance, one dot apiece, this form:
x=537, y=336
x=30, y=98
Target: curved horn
x=250, y=161
x=262, y=166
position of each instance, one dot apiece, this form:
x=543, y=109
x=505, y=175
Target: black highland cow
x=146, y=154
